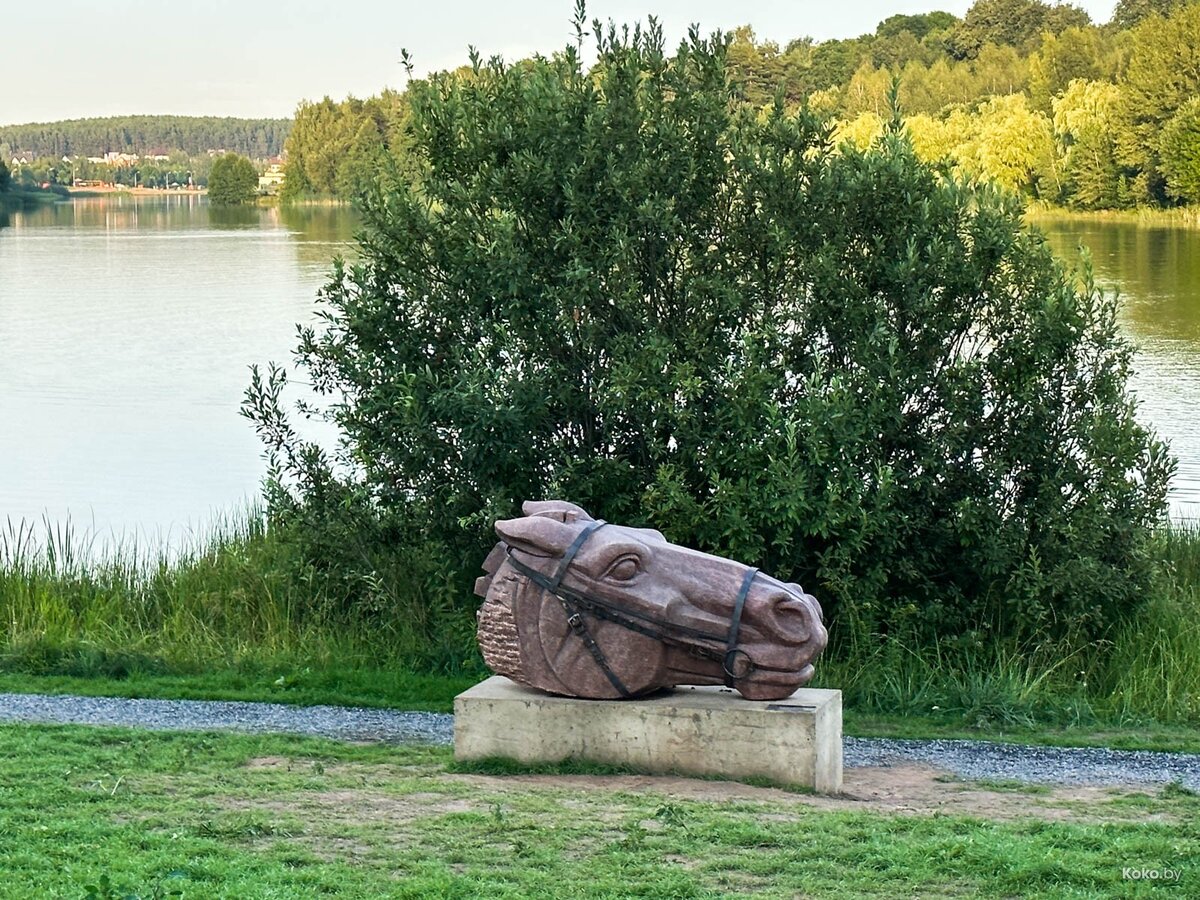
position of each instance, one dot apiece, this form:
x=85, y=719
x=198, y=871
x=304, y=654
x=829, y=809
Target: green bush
x=233, y=180
x=619, y=287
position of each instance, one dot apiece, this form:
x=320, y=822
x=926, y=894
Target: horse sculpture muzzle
x=583, y=608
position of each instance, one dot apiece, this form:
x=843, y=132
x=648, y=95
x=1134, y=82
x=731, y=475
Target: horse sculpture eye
x=624, y=568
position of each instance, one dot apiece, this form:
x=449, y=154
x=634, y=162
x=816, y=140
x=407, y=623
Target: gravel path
x=966, y=759
x=1019, y=762
x=340, y=722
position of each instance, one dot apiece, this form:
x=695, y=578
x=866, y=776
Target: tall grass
x=1142, y=216
x=237, y=598
x=1147, y=670
x=233, y=597
x=1153, y=667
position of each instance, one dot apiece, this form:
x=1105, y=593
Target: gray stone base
x=692, y=730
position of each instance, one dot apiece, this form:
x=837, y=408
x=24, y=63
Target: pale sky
x=77, y=58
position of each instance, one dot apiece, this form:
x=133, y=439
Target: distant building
x=271, y=178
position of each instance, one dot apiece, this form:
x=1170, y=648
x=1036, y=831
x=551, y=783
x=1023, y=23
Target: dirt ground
x=896, y=790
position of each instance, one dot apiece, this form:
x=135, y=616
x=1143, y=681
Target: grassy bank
x=20, y=198
x=1147, y=217
x=234, y=616
x=230, y=616
x=235, y=815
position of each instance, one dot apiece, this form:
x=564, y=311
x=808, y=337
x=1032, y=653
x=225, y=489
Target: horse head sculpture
x=579, y=607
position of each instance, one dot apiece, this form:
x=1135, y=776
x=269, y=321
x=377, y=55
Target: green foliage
x=950, y=70
x=918, y=26
x=1162, y=75
x=233, y=180
x=148, y=134
x=1011, y=23
x=1130, y=13
x=1086, y=116
x=5, y=177
x=1076, y=53
x=1179, y=149
x=237, y=609
x=340, y=149
x=619, y=288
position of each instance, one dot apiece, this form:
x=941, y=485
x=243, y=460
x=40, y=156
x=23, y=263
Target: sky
x=252, y=58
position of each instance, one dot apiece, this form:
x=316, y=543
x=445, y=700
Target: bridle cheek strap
x=735, y=626
x=572, y=552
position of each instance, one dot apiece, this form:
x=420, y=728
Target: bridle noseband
x=574, y=603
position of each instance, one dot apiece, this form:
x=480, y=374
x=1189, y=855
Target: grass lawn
x=121, y=813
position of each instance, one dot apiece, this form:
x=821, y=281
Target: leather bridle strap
x=575, y=619
x=735, y=626
x=569, y=557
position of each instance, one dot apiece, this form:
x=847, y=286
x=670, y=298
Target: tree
x=938, y=140
x=1010, y=23
x=1179, y=149
x=868, y=91
x=1162, y=75
x=1011, y=145
x=613, y=285
x=1085, y=118
x=1075, y=53
x=5, y=177
x=232, y=181
x=1131, y=13
x=918, y=25
x=861, y=131
x=148, y=135
x=757, y=68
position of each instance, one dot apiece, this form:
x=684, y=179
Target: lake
x=127, y=328
x=128, y=325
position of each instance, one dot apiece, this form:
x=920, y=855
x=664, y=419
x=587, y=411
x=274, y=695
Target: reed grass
x=231, y=599
x=1142, y=216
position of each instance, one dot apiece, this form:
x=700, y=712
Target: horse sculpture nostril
x=790, y=615
x=809, y=599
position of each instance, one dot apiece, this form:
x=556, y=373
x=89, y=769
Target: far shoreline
x=136, y=191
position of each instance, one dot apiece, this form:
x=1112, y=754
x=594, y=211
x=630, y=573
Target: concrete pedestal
x=693, y=730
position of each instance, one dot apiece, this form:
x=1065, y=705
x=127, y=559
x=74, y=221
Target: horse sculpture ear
x=539, y=535
x=556, y=509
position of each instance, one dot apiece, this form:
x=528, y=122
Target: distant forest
x=145, y=135
x=1031, y=95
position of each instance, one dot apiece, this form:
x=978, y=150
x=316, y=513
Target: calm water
x=127, y=327
x=1157, y=271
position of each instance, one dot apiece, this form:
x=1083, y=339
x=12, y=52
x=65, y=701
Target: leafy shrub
x=619, y=287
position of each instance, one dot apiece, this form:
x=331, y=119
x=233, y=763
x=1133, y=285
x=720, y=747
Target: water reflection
x=127, y=326
x=1157, y=272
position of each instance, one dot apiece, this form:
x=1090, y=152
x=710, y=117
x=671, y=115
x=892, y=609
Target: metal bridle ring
x=731, y=660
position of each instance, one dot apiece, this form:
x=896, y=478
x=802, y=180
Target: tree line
x=1032, y=95
x=1075, y=114
x=145, y=135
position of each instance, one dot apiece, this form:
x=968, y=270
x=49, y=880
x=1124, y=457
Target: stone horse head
x=579, y=607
